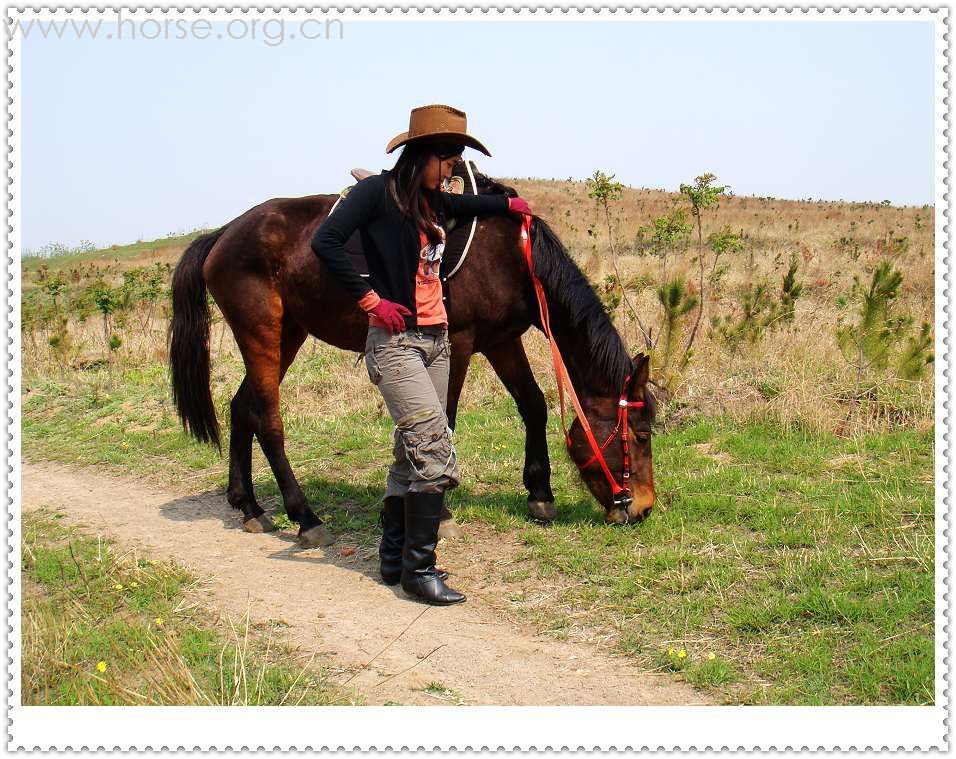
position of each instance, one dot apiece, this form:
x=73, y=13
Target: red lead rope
x=620, y=493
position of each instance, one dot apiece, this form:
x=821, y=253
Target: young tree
x=703, y=194
x=877, y=337
x=605, y=191
x=790, y=290
x=759, y=311
x=676, y=303
x=720, y=243
x=670, y=232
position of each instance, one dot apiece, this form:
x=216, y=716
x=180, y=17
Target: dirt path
x=334, y=604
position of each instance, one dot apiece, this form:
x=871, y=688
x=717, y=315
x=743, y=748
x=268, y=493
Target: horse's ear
x=641, y=371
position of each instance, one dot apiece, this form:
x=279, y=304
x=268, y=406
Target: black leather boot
x=392, y=519
x=419, y=576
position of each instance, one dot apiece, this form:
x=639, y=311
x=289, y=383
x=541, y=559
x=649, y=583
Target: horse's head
x=606, y=417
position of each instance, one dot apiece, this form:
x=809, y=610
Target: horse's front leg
x=510, y=363
x=462, y=347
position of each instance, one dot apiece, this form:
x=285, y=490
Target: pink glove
x=518, y=205
x=391, y=313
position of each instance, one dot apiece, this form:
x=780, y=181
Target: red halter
x=620, y=492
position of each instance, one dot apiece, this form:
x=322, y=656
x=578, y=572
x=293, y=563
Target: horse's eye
x=642, y=435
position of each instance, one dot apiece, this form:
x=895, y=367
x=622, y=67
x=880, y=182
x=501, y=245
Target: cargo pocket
x=430, y=454
x=384, y=353
x=371, y=365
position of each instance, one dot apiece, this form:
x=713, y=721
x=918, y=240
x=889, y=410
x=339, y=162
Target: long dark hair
x=404, y=183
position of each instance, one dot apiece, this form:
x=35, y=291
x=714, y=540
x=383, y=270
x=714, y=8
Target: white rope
x=474, y=223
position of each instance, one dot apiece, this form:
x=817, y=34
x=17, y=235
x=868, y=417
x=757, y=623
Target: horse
x=273, y=293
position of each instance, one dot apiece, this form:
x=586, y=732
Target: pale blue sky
x=136, y=139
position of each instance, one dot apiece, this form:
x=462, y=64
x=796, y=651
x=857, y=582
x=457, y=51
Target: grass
x=103, y=627
x=791, y=553
x=796, y=376
x=802, y=561
x=442, y=693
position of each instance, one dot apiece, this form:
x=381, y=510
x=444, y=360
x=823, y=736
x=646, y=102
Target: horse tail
x=189, y=343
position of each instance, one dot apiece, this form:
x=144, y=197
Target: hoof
x=316, y=537
x=543, y=510
x=261, y=523
x=449, y=529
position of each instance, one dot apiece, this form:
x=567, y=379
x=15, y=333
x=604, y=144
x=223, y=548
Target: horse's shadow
x=211, y=505
x=351, y=512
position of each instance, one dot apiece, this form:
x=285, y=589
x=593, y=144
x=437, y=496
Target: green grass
x=102, y=627
x=803, y=562
x=442, y=693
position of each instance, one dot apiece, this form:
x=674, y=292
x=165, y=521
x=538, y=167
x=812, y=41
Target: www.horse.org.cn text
x=269, y=31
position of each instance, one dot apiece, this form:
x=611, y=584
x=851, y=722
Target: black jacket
x=389, y=239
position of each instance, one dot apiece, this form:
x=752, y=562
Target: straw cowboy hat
x=437, y=121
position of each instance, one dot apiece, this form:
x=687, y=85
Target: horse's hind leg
x=268, y=351
x=245, y=422
x=240, y=493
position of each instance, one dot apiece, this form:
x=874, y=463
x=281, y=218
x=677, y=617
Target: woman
x=400, y=214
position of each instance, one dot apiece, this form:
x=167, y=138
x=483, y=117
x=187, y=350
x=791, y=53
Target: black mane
x=570, y=295
x=572, y=298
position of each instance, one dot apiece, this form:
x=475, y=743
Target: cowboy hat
x=437, y=122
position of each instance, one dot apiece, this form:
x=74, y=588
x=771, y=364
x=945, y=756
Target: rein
x=620, y=492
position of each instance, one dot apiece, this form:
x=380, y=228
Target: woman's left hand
x=519, y=205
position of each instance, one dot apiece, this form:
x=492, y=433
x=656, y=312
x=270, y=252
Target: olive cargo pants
x=410, y=369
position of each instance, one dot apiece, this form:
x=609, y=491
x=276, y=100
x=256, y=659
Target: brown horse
x=274, y=292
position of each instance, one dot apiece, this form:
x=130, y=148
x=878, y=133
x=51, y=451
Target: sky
x=128, y=139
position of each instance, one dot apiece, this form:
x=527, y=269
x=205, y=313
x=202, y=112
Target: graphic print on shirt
x=430, y=255
x=428, y=294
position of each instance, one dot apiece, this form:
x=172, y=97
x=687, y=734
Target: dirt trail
x=336, y=606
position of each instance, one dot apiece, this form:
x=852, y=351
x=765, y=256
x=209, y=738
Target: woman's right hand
x=519, y=205
x=391, y=313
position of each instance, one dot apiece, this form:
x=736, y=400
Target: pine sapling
x=676, y=302
x=916, y=354
x=790, y=291
x=867, y=343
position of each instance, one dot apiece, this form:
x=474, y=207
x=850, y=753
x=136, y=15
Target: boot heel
x=419, y=577
x=391, y=579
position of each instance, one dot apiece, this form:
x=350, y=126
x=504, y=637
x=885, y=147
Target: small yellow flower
x=134, y=584
x=681, y=654
x=158, y=621
x=117, y=587
x=101, y=666
x=125, y=444
x=670, y=651
x=711, y=656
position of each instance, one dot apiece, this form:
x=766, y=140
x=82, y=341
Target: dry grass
x=794, y=376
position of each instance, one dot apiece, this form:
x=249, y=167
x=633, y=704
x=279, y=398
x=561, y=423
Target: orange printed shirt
x=429, y=306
